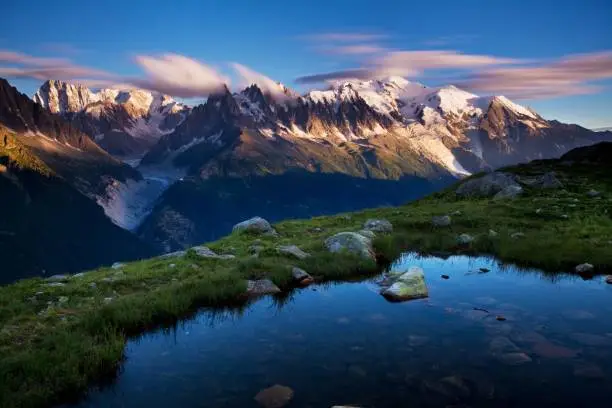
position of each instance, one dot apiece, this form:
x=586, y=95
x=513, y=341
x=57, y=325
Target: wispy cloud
x=343, y=37
x=354, y=49
x=571, y=75
x=61, y=48
x=179, y=76
x=449, y=40
x=26, y=66
x=266, y=84
x=409, y=63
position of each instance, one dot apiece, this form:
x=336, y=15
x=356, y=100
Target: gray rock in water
x=509, y=192
x=367, y=233
x=301, y=276
x=378, y=225
x=351, y=242
x=255, y=225
x=408, y=285
x=261, y=287
x=487, y=185
x=276, y=396
x=593, y=193
x=465, y=239
x=293, y=251
x=441, y=221
x=584, y=268
x=117, y=265
x=608, y=279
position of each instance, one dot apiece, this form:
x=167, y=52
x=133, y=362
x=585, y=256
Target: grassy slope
x=50, y=352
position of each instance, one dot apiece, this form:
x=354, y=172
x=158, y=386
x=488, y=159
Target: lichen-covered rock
x=441, y=221
x=292, y=250
x=378, y=225
x=301, y=276
x=276, y=396
x=465, y=239
x=487, y=185
x=509, y=192
x=405, y=286
x=261, y=287
x=367, y=233
x=255, y=225
x=350, y=242
x=206, y=252
x=585, y=268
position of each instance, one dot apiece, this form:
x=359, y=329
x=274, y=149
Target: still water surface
x=345, y=344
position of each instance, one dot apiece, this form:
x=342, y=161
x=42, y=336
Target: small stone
x=78, y=275
x=117, y=265
x=276, y=396
x=292, y=250
x=378, y=225
x=465, y=239
x=456, y=213
x=564, y=216
x=93, y=285
x=62, y=299
x=317, y=229
x=584, y=268
x=58, y=278
x=539, y=211
x=172, y=266
x=517, y=235
x=493, y=233
x=608, y=279
x=445, y=277
x=108, y=299
x=441, y=221
x=56, y=284
x=39, y=293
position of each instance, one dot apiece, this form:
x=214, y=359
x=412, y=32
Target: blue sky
x=277, y=39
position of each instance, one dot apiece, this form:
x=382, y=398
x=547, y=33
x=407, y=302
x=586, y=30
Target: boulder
x=350, y=242
x=58, y=278
x=117, y=265
x=584, y=268
x=293, y=251
x=367, y=233
x=261, y=287
x=276, y=396
x=548, y=180
x=493, y=233
x=464, y=239
x=441, y=221
x=175, y=254
x=487, y=185
x=301, y=276
x=593, y=193
x=405, y=286
x=256, y=225
x=510, y=192
x=378, y=225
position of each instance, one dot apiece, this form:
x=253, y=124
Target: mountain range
x=195, y=171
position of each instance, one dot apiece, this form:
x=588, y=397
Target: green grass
x=49, y=353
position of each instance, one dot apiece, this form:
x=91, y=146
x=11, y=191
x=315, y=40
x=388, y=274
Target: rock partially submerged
x=378, y=225
x=261, y=287
x=301, y=276
x=407, y=285
x=276, y=396
x=487, y=185
x=584, y=268
x=351, y=242
x=292, y=250
x=255, y=225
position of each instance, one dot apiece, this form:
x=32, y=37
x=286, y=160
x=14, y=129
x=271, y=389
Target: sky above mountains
x=554, y=56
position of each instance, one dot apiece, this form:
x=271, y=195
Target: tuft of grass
x=57, y=341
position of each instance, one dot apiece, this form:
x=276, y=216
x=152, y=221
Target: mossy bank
x=59, y=337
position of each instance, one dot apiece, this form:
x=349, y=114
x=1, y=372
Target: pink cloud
x=354, y=49
x=571, y=75
x=267, y=85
